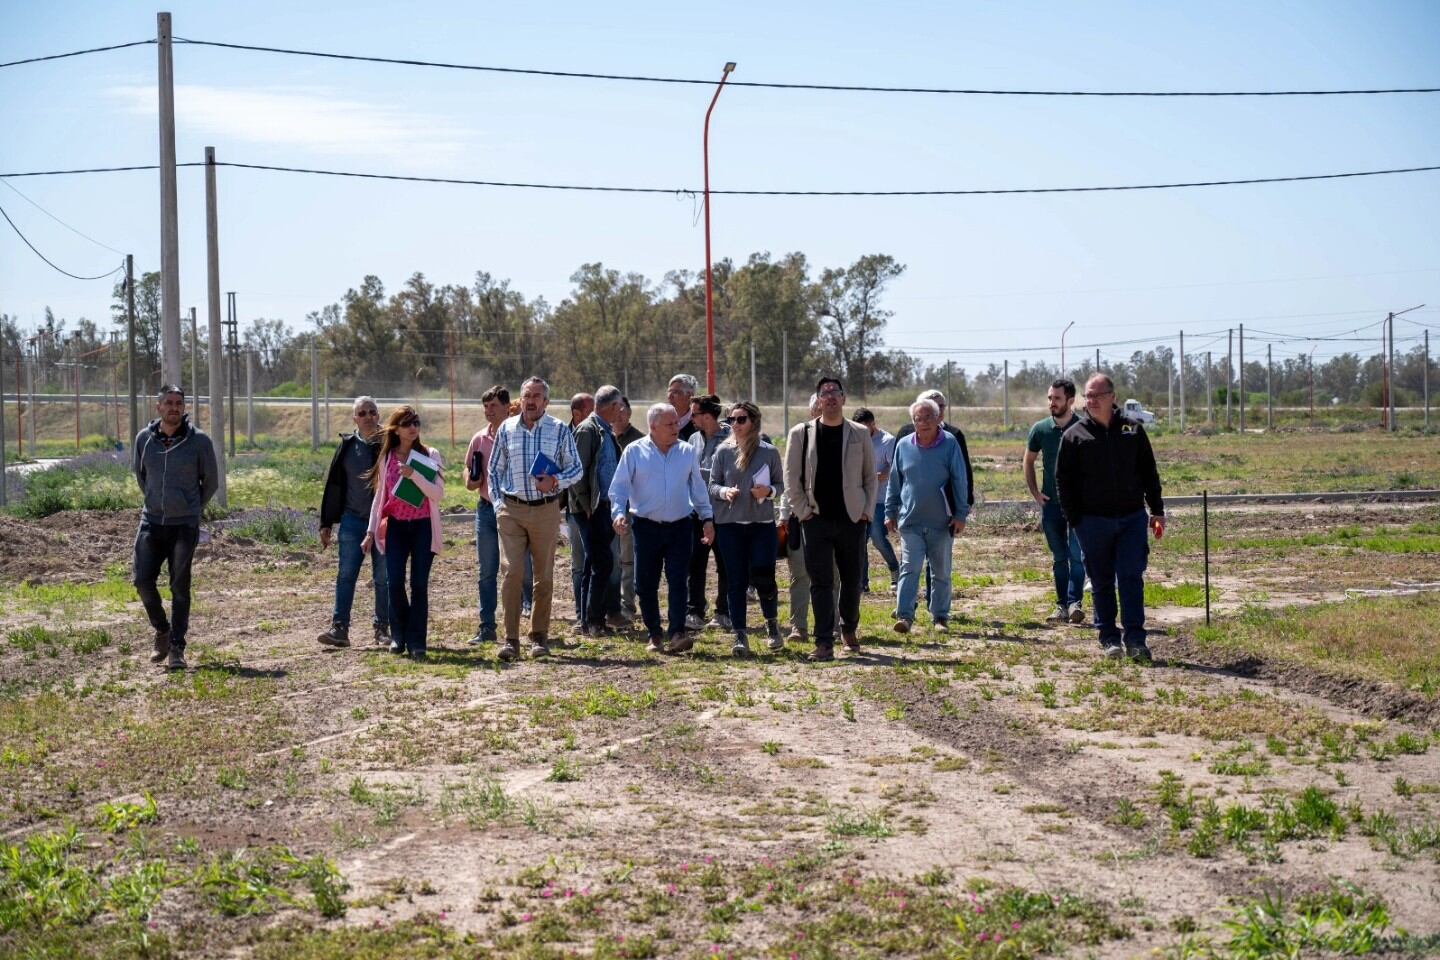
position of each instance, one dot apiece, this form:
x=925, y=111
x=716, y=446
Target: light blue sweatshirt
x=916, y=495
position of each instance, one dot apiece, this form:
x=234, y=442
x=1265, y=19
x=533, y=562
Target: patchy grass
x=1391, y=639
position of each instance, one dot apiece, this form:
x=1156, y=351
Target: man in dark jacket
x=346, y=501
x=174, y=463
x=1106, y=475
x=589, y=502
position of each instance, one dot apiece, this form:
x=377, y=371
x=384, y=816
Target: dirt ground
x=486, y=797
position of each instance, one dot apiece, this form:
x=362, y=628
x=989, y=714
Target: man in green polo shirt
x=1064, y=544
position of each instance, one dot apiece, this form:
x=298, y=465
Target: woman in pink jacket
x=403, y=532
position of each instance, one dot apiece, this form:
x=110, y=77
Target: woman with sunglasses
x=745, y=478
x=401, y=531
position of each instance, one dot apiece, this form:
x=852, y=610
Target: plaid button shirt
x=515, y=450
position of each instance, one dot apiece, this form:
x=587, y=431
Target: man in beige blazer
x=830, y=487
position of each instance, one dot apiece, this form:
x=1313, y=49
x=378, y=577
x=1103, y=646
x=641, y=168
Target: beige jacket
x=857, y=464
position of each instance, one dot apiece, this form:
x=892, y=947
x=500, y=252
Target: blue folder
x=544, y=466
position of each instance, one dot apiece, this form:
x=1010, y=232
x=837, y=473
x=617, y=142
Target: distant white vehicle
x=1135, y=411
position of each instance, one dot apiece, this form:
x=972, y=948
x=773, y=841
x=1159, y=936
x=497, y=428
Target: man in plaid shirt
x=527, y=510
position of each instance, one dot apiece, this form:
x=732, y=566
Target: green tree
x=851, y=318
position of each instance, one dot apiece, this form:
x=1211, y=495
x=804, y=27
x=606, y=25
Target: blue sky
x=1001, y=273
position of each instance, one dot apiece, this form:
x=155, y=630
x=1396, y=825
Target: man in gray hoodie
x=174, y=463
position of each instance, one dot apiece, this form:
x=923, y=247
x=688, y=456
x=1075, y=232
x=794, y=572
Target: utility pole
x=1241, y=376
x=114, y=382
x=1169, y=393
x=1006, y=393
x=232, y=323
x=30, y=392
x=315, y=391
x=130, y=349
x=212, y=303
x=20, y=412
x=194, y=390
x=1425, y=380
x=1269, y=387
x=1182, y=381
x=4, y=470
x=451, y=339
x=1097, y=359
x=1394, y=385
x=169, y=211
x=1229, y=373
x=950, y=381
x=1209, y=393
x=752, y=369
x=327, y=413
x=785, y=376
x=250, y=397
x=1389, y=357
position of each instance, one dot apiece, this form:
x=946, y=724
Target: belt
x=532, y=503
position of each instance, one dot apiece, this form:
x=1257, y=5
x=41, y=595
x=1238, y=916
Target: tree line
x=624, y=328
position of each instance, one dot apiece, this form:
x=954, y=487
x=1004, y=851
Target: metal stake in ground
x=1205, y=521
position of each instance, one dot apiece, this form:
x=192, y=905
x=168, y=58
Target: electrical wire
x=62, y=223
x=594, y=188
x=52, y=264
x=78, y=53
x=833, y=87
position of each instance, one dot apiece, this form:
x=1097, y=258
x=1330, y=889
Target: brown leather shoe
x=680, y=643
x=162, y=646
x=852, y=642
x=821, y=655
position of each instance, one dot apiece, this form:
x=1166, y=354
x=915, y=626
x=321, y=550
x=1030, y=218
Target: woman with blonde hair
x=404, y=531
x=745, y=478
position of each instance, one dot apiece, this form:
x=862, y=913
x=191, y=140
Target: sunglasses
x=744, y=419
x=409, y=422
x=368, y=413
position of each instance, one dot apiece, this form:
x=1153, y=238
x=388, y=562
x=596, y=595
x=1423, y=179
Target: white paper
x=762, y=476
x=417, y=457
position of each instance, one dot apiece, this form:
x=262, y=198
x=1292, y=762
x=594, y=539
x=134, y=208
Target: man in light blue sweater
x=927, y=502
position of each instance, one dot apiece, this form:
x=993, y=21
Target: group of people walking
x=703, y=482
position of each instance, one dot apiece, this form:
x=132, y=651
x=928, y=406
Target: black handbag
x=794, y=536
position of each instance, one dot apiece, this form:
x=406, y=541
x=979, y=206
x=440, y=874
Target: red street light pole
x=709, y=273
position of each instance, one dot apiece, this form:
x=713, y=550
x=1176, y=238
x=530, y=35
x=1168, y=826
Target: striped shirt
x=514, y=454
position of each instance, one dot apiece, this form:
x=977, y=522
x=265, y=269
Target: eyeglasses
x=367, y=413
x=1097, y=396
x=410, y=422
x=744, y=419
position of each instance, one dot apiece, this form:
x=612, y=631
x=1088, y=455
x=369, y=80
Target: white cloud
x=311, y=118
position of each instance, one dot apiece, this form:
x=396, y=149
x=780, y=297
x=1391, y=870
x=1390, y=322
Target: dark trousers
x=747, y=550
x=1116, y=551
x=174, y=546
x=832, y=545
x=660, y=546
x=599, y=561
x=409, y=616
x=699, y=564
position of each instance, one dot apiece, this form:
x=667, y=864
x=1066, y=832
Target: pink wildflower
x=526, y=917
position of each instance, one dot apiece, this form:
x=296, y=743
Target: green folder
x=407, y=489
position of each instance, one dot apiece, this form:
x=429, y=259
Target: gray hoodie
x=179, y=480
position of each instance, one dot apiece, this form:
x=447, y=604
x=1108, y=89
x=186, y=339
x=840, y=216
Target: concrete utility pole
x=170, y=366
x=752, y=369
x=250, y=396
x=130, y=348
x=194, y=390
x=1389, y=357
x=785, y=376
x=1241, y=373
x=1209, y=393
x=1394, y=384
x=4, y=476
x=233, y=323
x=1229, y=372
x=1006, y=394
x=1182, y=381
x=212, y=301
x=1269, y=387
x=315, y=391
x=1425, y=380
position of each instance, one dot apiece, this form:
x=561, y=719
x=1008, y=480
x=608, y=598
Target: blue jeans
x=747, y=551
x=879, y=537
x=487, y=549
x=576, y=524
x=174, y=546
x=1116, y=552
x=596, y=533
x=662, y=546
x=1064, y=544
x=924, y=546
x=409, y=616
x=348, y=540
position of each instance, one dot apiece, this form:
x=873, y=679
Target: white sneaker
x=1077, y=613
x=693, y=622
x=1058, y=615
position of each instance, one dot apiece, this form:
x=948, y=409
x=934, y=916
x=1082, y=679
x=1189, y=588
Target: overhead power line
x=77, y=53
x=52, y=264
x=78, y=233
x=837, y=87
x=598, y=188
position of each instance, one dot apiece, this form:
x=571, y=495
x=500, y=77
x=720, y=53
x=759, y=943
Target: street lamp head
x=729, y=66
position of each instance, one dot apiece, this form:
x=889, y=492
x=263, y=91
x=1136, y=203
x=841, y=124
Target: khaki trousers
x=522, y=529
